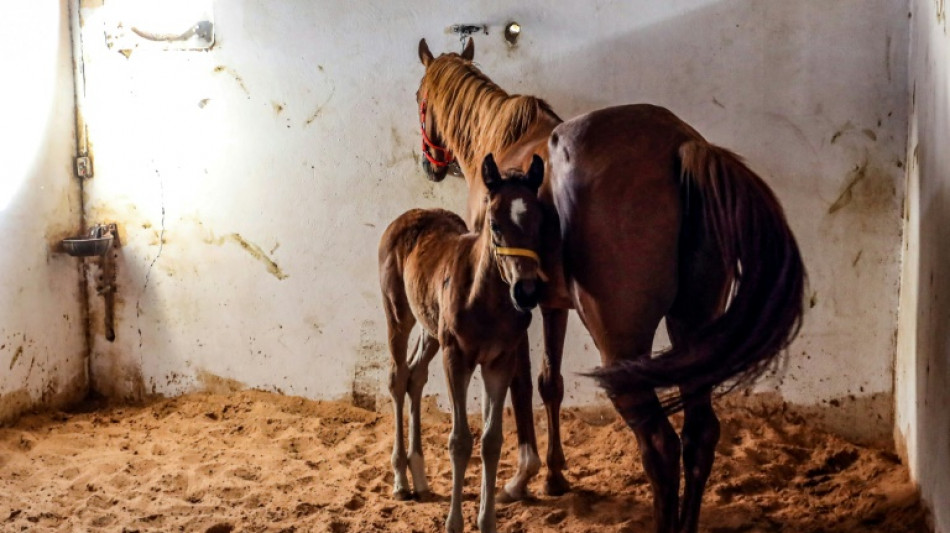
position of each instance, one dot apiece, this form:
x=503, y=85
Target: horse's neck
x=476, y=201
x=517, y=155
x=485, y=284
x=508, y=153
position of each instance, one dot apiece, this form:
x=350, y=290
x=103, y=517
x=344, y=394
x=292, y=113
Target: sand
x=256, y=461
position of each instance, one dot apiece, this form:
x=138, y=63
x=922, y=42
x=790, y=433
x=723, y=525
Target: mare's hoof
x=402, y=495
x=425, y=496
x=504, y=497
x=555, y=484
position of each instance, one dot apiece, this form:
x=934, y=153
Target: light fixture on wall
x=512, y=32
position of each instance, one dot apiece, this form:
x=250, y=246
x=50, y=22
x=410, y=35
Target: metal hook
x=466, y=30
x=203, y=29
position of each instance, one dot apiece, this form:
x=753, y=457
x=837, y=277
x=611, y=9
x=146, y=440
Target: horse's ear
x=490, y=174
x=469, y=52
x=535, y=175
x=424, y=54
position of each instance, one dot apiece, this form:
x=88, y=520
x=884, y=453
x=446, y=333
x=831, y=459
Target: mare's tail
x=763, y=290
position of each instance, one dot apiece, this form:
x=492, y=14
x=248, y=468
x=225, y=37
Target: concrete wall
x=252, y=182
x=42, y=343
x=923, y=359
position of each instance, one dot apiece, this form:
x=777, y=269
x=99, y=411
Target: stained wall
x=42, y=326
x=251, y=182
x=923, y=356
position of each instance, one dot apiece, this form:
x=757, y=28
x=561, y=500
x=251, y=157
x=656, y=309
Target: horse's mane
x=475, y=115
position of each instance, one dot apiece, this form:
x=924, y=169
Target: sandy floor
x=254, y=461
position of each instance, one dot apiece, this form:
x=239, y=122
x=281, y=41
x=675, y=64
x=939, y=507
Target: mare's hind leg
x=551, y=387
x=399, y=321
x=659, y=451
x=426, y=349
x=700, y=436
x=528, y=461
x=701, y=296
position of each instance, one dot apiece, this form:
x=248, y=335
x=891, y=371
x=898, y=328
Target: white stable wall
x=923, y=358
x=42, y=340
x=251, y=182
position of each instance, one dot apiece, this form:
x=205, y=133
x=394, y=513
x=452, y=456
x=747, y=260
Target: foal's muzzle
x=524, y=291
x=524, y=294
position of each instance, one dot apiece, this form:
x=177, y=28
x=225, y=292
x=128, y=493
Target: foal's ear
x=490, y=174
x=535, y=175
x=424, y=54
x=469, y=53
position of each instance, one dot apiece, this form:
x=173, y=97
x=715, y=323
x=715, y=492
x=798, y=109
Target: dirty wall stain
x=369, y=369
x=16, y=357
x=237, y=77
x=868, y=189
x=319, y=110
x=847, y=194
x=254, y=250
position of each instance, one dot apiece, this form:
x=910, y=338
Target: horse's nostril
x=431, y=172
x=525, y=288
x=525, y=293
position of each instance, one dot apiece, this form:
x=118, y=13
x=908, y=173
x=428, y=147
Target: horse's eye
x=494, y=227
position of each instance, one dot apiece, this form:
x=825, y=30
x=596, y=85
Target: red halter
x=427, y=143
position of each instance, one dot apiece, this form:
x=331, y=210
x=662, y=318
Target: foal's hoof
x=555, y=484
x=403, y=495
x=504, y=496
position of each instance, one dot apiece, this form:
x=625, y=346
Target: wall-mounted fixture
x=466, y=30
x=159, y=25
x=99, y=244
x=512, y=32
x=203, y=30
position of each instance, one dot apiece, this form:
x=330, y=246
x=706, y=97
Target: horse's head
x=514, y=217
x=436, y=155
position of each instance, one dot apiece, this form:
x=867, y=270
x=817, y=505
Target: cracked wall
x=252, y=182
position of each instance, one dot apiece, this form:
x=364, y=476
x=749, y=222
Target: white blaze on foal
x=518, y=209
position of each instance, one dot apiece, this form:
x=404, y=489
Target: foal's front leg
x=496, y=376
x=458, y=373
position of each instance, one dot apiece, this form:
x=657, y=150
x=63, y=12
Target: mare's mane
x=475, y=115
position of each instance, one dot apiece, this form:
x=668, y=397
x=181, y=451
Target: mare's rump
x=616, y=188
x=645, y=203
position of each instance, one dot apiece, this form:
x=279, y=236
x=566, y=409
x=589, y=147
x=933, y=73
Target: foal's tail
x=763, y=293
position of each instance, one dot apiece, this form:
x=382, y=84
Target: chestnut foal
x=472, y=293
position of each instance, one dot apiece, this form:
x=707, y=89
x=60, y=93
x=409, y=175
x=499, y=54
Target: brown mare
x=650, y=221
x=472, y=293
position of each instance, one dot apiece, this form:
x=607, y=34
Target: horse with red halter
x=645, y=220
x=472, y=293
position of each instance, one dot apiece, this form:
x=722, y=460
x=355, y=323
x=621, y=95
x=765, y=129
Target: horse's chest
x=486, y=333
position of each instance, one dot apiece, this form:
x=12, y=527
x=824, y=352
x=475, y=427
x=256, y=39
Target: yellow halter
x=520, y=252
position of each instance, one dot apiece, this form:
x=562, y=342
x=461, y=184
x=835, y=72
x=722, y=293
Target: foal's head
x=513, y=220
